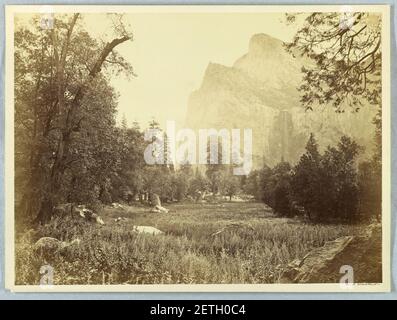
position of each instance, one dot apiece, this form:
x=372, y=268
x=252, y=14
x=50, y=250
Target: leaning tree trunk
x=59, y=166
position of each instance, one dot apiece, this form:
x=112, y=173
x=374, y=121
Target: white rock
x=117, y=205
x=147, y=229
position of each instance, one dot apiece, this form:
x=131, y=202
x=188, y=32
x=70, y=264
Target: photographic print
x=198, y=148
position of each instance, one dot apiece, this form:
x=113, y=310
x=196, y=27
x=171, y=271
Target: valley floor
x=231, y=242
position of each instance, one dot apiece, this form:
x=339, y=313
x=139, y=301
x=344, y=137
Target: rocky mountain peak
x=262, y=43
x=260, y=92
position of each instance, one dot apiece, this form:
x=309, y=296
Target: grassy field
x=187, y=252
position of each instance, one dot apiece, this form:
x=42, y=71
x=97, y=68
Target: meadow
x=254, y=246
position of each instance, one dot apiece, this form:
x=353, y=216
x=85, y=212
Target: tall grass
x=186, y=253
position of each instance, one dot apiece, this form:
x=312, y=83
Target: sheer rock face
x=260, y=92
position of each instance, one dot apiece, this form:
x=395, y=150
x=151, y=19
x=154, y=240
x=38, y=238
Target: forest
x=69, y=148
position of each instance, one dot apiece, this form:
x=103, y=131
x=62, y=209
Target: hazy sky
x=171, y=51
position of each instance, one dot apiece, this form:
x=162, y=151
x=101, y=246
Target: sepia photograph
x=197, y=148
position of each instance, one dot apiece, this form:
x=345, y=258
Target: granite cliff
x=260, y=92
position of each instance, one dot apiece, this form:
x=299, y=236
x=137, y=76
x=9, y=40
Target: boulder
x=159, y=209
x=88, y=214
x=362, y=251
x=302, y=270
x=155, y=200
x=156, y=204
x=79, y=210
x=116, y=205
x=49, y=245
x=96, y=218
x=147, y=229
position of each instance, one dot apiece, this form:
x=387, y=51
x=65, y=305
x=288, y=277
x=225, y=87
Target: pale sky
x=171, y=51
